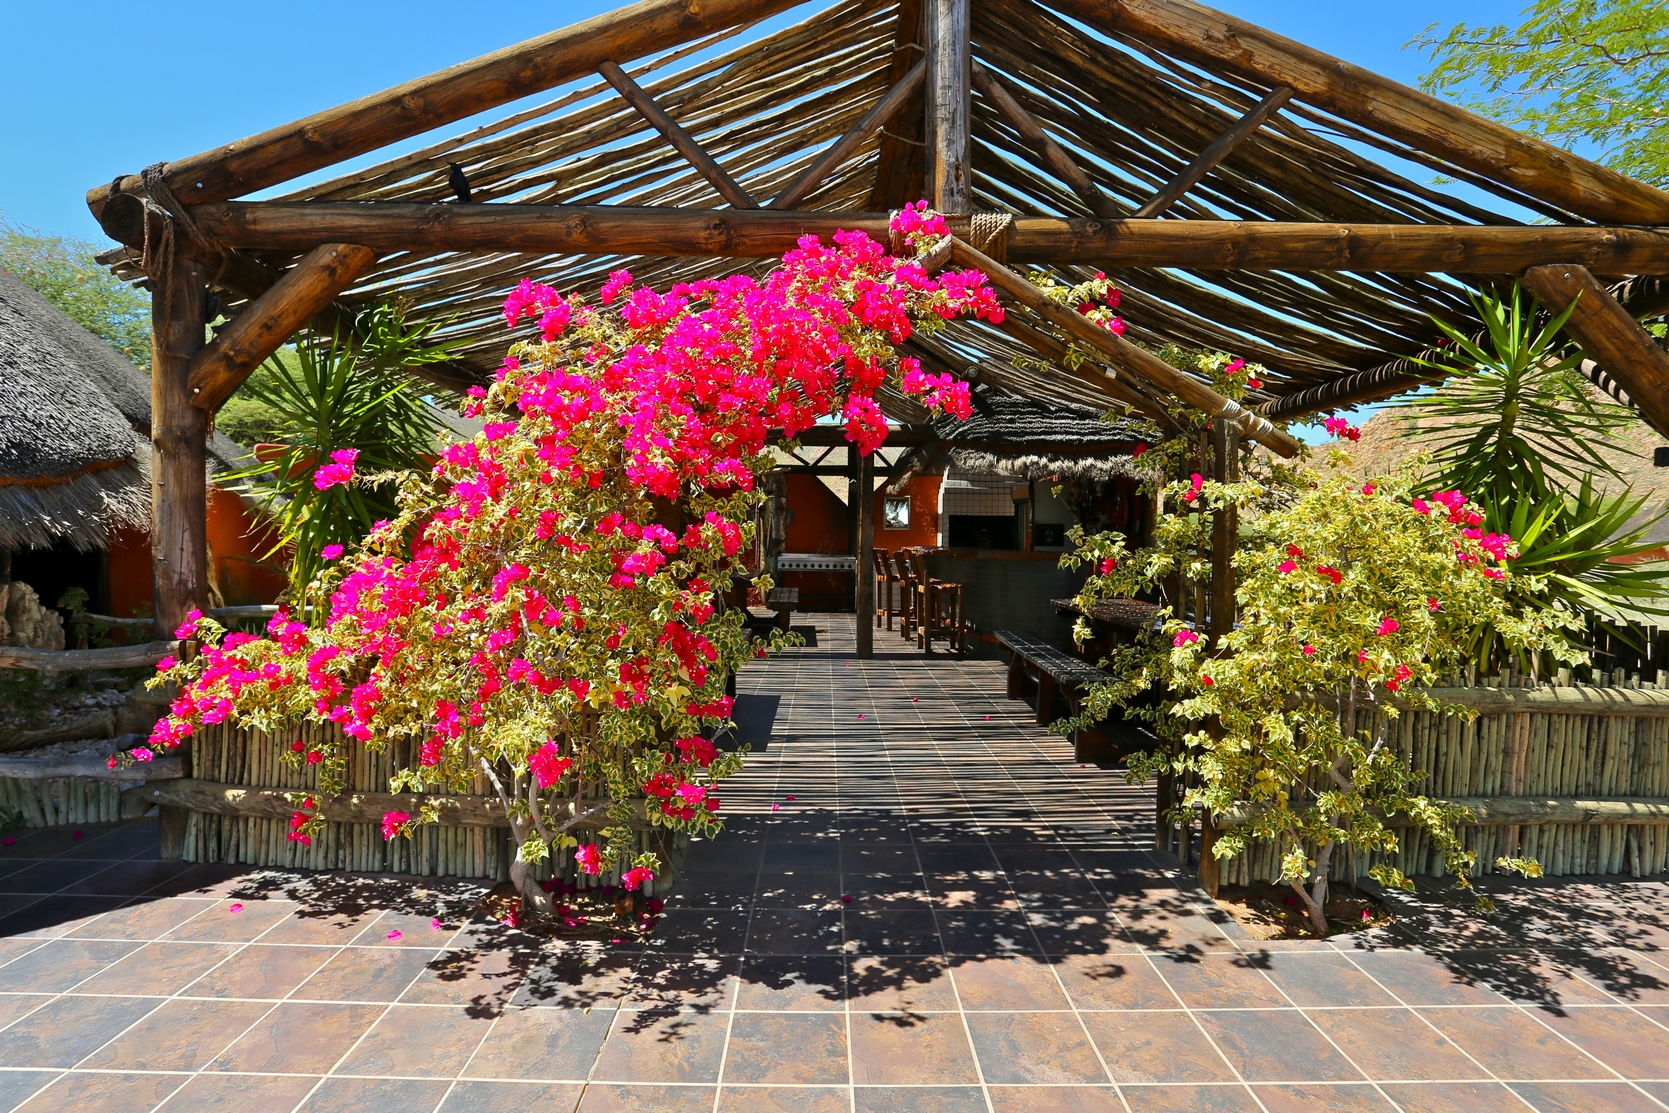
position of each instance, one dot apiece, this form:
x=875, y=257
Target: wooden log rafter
x=1124, y=355
x=1211, y=38
x=268, y=321
x=1043, y=145
x=1498, y=811
x=1221, y=148
x=1271, y=245
x=1609, y=333
x=729, y=188
x=87, y=660
x=882, y=113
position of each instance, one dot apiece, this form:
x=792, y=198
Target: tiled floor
x=922, y=905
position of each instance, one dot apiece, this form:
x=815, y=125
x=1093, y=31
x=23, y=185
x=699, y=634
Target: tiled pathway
x=941, y=914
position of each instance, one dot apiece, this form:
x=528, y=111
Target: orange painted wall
x=923, y=492
x=235, y=539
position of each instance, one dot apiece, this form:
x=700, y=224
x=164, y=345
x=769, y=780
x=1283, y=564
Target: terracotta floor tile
x=578, y=978
x=260, y=972
x=320, y=928
x=1042, y=1048
x=298, y=1038
x=790, y=931
x=1394, y=1045
x=53, y=877
x=1509, y=1042
x=234, y=921
x=102, y=1093
x=244, y=1093
x=365, y=974
x=1319, y=978
x=1220, y=982
x=894, y=983
x=1452, y=1097
x=1622, y=1039
x=904, y=1049
x=1156, y=1047
x=178, y=1035
x=418, y=1041
x=1018, y=983
x=49, y=919
x=974, y=932
x=892, y=932
x=1194, y=1099
x=1585, y=1097
x=65, y=1030
x=663, y=1047
x=804, y=1049
x=17, y=1086
x=1421, y=979
x=157, y=969
x=542, y=1043
x=523, y=1097
x=15, y=1005
x=56, y=966
x=374, y=1095
x=1297, y=1097
x=129, y=879
x=145, y=920
x=701, y=983
x=1081, y=932
x=700, y=931
x=911, y=1099
x=784, y=1099
x=1276, y=1046
x=614, y=1097
x=773, y=983
x=1055, y=1099
x=1114, y=982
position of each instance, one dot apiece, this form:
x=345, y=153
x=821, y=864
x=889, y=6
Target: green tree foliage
x=63, y=270
x=1574, y=71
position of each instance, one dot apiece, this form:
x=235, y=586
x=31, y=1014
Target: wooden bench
x=1061, y=679
x=784, y=601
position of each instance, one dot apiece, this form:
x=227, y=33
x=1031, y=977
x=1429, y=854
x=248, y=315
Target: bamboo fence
x=1521, y=754
x=58, y=801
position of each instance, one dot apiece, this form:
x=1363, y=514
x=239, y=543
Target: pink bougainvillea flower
x=548, y=765
x=396, y=934
x=790, y=796
x=1388, y=626
x=7, y=841
x=1368, y=488
x=1107, y=565
x=845, y=899
x=1287, y=566
x=1309, y=650
x=1184, y=637
x=1207, y=681
x=1433, y=605
x=1421, y=506
x=188, y=628
x=1403, y=672
x=1254, y=384
x=339, y=471
x=234, y=908
x=1339, y=427
x=331, y=552
x=1196, y=485
x=776, y=807
x=436, y=925
x=636, y=877
x=589, y=858
x=77, y=835
x=1135, y=453
x=393, y=822
x=1330, y=573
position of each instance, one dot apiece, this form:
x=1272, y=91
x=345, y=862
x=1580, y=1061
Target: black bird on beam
x=459, y=183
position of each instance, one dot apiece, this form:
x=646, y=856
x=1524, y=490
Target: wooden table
x=1112, y=620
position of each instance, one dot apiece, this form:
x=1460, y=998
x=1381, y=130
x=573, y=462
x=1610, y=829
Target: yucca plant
x=328, y=394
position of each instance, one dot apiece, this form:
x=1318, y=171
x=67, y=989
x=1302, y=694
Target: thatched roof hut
x=74, y=422
x=1031, y=440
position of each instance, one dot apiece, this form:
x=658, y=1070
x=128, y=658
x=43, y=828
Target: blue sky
x=87, y=98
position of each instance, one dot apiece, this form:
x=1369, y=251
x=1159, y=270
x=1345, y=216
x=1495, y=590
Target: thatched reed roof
x=74, y=416
x=1014, y=436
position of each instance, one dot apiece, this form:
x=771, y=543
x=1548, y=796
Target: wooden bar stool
x=938, y=608
x=906, y=593
x=886, y=589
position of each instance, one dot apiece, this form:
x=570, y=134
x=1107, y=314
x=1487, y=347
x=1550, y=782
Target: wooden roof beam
x=414, y=107
x=1212, y=39
x=1220, y=149
x=729, y=188
x=1609, y=333
x=271, y=319
x=882, y=113
x=1043, y=145
x=1125, y=355
x=386, y=226
x=898, y=166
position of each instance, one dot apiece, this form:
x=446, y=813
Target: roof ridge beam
x=729, y=188
x=414, y=107
x=1220, y=149
x=1207, y=37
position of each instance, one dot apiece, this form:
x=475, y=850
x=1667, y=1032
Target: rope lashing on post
x=163, y=214
x=986, y=231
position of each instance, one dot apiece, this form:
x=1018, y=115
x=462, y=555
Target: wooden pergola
x=1214, y=170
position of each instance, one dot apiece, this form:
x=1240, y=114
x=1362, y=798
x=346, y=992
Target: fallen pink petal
x=396, y=934
x=234, y=909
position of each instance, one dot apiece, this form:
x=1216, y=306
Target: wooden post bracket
x=268, y=321
x=1610, y=333
x=729, y=188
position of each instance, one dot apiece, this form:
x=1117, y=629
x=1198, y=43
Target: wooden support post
x=1219, y=150
x=728, y=187
x=179, y=430
x=948, y=106
x=1610, y=334
x=1042, y=144
x=1125, y=355
x=1225, y=536
x=878, y=116
x=865, y=578
x=271, y=319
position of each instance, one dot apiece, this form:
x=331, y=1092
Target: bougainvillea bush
x=1351, y=597
x=542, y=610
